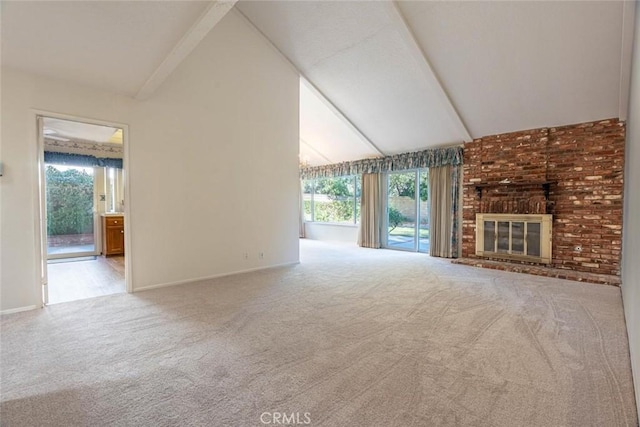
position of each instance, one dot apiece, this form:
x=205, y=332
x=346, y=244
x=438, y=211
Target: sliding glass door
x=423, y=210
x=70, y=211
x=408, y=210
x=401, y=210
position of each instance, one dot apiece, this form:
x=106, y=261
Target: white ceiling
x=325, y=136
x=514, y=65
x=71, y=130
x=386, y=77
x=354, y=54
x=403, y=72
x=112, y=45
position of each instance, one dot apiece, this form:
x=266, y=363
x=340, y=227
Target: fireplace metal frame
x=545, y=221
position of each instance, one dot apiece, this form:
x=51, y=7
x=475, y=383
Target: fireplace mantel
x=517, y=197
x=479, y=186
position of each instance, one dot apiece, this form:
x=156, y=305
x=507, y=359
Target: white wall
x=631, y=241
x=18, y=203
x=213, y=164
x=334, y=232
x=220, y=155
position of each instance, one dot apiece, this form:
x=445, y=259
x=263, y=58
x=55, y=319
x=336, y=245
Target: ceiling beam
x=213, y=14
x=315, y=150
x=626, y=53
x=429, y=74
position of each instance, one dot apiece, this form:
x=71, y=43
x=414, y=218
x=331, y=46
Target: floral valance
x=89, y=148
x=415, y=160
x=80, y=160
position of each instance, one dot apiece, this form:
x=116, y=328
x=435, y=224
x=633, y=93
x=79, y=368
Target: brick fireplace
x=574, y=173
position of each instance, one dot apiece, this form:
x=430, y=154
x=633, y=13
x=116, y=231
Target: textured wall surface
x=582, y=167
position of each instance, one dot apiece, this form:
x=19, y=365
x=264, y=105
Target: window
x=333, y=200
x=114, y=190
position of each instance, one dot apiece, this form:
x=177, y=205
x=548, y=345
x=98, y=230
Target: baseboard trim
x=18, y=310
x=215, y=276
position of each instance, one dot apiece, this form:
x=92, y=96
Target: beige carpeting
x=350, y=337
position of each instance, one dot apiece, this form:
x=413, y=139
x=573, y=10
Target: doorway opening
x=82, y=189
x=407, y=208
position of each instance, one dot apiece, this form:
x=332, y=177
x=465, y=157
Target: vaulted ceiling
x=378, y=77
x=110, y=45
x=410, y=75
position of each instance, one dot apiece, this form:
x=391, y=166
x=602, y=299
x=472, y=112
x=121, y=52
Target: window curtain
x=371, y=211
x=444, y=191
x=119, y=190
x=301, y=212
x=81, y=160
x=416, y=160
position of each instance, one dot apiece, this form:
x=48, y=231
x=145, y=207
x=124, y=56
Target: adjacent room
x=371, y=213
x=82, y=211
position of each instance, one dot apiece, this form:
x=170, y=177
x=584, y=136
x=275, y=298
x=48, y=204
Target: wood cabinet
x=112, y=235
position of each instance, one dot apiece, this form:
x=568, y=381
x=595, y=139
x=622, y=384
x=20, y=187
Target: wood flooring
x=74, y=280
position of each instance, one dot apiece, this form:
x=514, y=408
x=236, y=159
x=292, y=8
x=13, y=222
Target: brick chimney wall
x=583, y=165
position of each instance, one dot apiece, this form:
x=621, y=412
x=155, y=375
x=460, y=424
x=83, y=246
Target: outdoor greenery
x=307, y=209
x=333, y=199
x=395, y=218
x=404, y=184
x=409, y=232
x=69, y=201
x=335, y=187
x=334, y=211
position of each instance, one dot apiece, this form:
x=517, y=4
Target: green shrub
x=334, y=211
x=69, y=201
x=395, y=218
x=307, y=208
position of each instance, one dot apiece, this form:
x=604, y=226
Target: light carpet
x=349, y=337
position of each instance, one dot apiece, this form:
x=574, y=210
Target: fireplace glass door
x=489, y=236
x=503, y=236
x=533, y=239
x=517, y=238
x=514, y=236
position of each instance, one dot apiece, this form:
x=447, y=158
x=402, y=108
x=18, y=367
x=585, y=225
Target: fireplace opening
x=524, y=237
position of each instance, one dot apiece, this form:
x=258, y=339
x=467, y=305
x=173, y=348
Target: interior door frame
x=40, y=246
